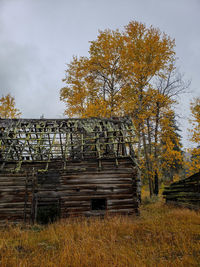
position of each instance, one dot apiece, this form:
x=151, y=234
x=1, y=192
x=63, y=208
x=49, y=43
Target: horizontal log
x=184, y=194
x=121, y=201
x=111, y=196
x=94, y=187
x=98, y=181
x=14, y=198
x=14, y=175
x=94, y=190
x=13, y=202
x=95, y=161
x=11, y=211
x=12, y=205
x=96, y=176
x=102, y=171
x=88, y=203
x=10, y=180
x=12, y=189
x=64, y=209
x=13, y=186
x=182, y=187
x=174, y=192
x=185, y=182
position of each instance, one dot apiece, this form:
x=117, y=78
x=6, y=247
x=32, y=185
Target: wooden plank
x=111, y=202
x=88, y=191
x=13, y=205
x=100, y=182
x=110, y=196
x=89, y=176
x=99, y=172
x=14, y=189
x=94, y=186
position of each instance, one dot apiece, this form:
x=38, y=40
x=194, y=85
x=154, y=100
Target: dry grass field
x=160, y=236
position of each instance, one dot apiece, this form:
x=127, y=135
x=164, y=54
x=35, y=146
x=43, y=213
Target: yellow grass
x=161, y=236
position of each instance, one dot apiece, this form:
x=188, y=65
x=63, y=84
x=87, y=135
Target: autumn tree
x=161, y=148
x=119, y=78
x=171, y=154
x=161, y=129
x=119, y=67
x=94, y=84
x=194, y=163
x=7, y=107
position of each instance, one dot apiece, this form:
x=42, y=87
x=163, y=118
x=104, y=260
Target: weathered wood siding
x=184, y=192
x=15, y=201
x=73, y=189
x=117, y=184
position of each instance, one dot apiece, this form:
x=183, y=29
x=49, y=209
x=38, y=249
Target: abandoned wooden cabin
x=52, y=168
x=185, y=192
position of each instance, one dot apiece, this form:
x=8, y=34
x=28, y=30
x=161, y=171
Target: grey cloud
x=15, y=64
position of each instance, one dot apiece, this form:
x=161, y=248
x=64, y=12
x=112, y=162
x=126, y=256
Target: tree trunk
x=156, y=186
x=147, y=164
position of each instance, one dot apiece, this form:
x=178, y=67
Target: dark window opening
x=47, y=213
x=98, y=204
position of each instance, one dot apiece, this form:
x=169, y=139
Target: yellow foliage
x=195, y=121
x=171, y=148
x=7, y=108
x=193, y=165
x=119, y=67
x=116, y=79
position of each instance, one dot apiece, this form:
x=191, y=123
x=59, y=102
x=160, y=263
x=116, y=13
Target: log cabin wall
x=117, y=186
x=83, y=188
x=15, y=196
x=52, y=168
x=185, y=192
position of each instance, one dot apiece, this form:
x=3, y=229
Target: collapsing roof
x=45, y=140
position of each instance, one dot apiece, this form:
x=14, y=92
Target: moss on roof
x=45, y=140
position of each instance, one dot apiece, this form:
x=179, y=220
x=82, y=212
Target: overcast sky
x=39, y=37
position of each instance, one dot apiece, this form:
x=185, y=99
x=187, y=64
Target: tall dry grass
x=160, y=236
